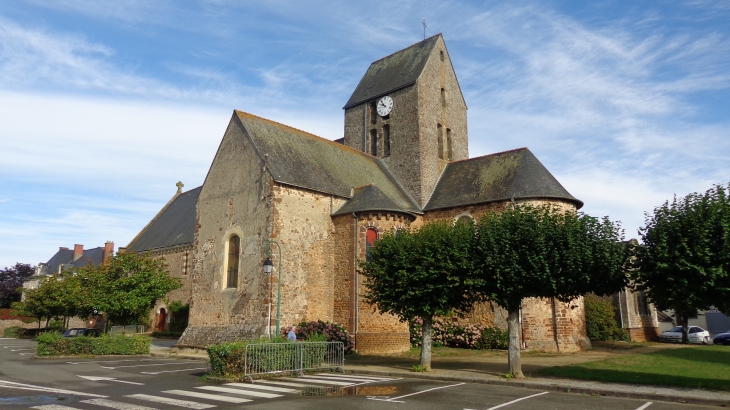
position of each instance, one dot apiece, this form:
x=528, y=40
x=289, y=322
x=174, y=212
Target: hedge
x=53, y=344
x=601, y=321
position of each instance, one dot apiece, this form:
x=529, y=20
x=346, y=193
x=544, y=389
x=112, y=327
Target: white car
x=695, y=334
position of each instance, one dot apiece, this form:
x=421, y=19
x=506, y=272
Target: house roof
x=297, y=158
x=94, y=256
x=368, y=198
x=515, y=174
x=173, y=226
x=396, y=71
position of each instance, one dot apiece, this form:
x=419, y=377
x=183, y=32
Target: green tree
x=421, y=273
x=684, y=263
x=546, y=253
x=53, y=299
x=126, y=288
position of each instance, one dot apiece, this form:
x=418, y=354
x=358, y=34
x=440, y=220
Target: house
x=314, y=206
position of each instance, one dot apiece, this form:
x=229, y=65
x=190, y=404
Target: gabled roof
x=94, y=256
x=173, y=226
x=503, y=176
x=300, y=159
x=368, y=198
x=396, y=71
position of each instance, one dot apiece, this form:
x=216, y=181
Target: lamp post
x=268, y=268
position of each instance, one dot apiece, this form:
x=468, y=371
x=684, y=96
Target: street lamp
x=268, y=268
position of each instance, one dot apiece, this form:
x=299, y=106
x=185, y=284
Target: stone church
x=273, y=189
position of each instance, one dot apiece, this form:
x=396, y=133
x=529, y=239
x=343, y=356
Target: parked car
x=722, y=339
x=80, y=331
x=695, y=334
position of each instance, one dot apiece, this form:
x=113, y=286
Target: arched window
x=449, y=154
x=234, y=250
x=373, y=142
x=443, y=97
x=371, y=235
x=440, y=136
x=463, y=220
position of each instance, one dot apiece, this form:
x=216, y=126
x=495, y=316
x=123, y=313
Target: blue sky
x=104, y=106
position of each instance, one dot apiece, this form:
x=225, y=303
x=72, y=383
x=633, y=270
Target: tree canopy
x=684, y=263
x=545, y=252
x=11, y=280
x=421, y=273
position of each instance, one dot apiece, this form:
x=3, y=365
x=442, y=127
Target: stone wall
x=179, y=265
x=637, y=316
x=236, y=199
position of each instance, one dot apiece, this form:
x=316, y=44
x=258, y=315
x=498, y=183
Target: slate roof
x=368, y=198
x=173, y=226
x=95, y=256
x=304, y=160
x=514, y=174
x=396, y=71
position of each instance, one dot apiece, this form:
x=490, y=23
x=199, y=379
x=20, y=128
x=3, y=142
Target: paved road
x=138, y=383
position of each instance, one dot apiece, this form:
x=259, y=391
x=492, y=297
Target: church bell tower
x=409, y=112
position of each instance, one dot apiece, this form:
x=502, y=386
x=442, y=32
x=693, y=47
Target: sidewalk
x=488, y=368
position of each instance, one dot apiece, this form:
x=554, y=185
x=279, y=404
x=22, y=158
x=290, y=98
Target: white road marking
x=173, y=371
x=207, y=396
x=22, y=386
x=116, y=404
x=239, y=391
x=53, y=407
x=515, y=401
x=352, y=380
x=132, y=360
x=283, y=383
x=174, y=402
x=352, y=376
x=17, y=350
x=142, y=365
x=107, y=379
x=645, y=405
x=321, y=381
x=395, y=399
x=23, y=354
x=259, y=387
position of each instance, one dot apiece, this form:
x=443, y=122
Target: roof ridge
x=404, y=49
x=489, y=155
x=309, y=134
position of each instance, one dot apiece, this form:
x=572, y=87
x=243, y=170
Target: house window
x=386, y=140
x=440, y=136
x=371, y=235
x=373, y=142
x=234, y=250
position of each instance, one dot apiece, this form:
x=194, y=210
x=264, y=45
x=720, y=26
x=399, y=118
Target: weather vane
x=424, y=27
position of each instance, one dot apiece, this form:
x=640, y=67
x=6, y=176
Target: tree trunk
x=685, y=329
x=513, y=327
x=48, y=319
x=426, y=343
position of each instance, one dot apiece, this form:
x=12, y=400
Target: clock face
x=385, y=105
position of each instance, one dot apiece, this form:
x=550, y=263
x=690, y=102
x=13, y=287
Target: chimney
x=108, y=252
x=62, y=248
x=78, y=252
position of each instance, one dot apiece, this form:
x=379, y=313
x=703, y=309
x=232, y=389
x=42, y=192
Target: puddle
x=37, y=400
x=350, y=391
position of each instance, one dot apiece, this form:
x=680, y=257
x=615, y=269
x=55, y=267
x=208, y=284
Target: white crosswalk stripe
x=289, y=384
x=345, y=378
x=207, y=396
x=174, y=402
x=116, y=404
x=260, y=387
x=313, y=380
x=352, y=376
x=239, y=391
x=53, y=407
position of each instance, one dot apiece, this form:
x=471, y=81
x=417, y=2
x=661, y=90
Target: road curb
x=561, y=385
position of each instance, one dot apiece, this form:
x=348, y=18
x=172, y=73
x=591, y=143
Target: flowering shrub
x=333, y=332
x=471, y=336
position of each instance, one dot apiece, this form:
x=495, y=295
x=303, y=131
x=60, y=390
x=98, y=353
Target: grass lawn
x=706, y=367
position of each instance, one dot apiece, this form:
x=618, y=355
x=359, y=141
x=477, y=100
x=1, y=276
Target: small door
x=161, y=320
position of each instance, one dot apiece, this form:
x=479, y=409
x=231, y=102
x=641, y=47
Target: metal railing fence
x=272, y=358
